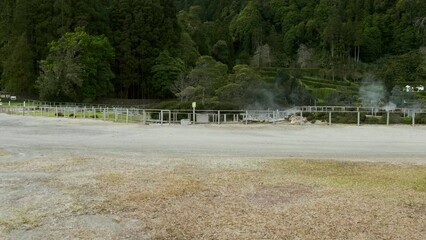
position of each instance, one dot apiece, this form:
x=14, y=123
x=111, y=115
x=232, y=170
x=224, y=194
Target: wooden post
x=329, y=118
x=218, y=117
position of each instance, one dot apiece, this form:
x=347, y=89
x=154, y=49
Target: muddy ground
x=86, y=179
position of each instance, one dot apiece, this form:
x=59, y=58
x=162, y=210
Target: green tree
x=141, y=30
x=6, y=26
x=242, y=87
x=77, y=68
x=221, y=51
x=18, y=73
x=186, y=50
x=166, y=72
x=403, y=69
x=208, y=75
x=245, y=25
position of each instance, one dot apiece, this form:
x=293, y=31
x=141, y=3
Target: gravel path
x=42, y=136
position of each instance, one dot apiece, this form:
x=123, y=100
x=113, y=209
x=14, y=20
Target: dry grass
x=20, y=219
x=277, y=199
x=4, y=153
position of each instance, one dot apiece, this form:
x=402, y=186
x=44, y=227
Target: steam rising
x=390, y=107
x=372, y=92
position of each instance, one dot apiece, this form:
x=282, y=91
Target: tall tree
x=77, y=68
x=18, y=72
x=166, y=71
x=141, y=30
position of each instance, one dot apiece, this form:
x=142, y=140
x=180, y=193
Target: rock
x=298, y=120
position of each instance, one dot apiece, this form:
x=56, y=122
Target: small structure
x=409, y=88
x=202, y=118
x=420, y=88
x=185, y=122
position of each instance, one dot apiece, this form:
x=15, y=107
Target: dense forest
x=238, y=52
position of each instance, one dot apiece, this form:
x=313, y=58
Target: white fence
x=325, y=114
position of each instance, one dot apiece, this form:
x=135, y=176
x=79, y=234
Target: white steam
x=372, y=92
x=390, y=107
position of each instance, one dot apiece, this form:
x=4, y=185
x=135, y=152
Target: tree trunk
x=359, y=50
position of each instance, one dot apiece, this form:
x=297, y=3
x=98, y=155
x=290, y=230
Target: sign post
x=194, y=105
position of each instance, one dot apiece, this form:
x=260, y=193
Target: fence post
x=246, y=117
x=144, y=117
x=414, y=119
x=193, y=116
x=127, y=115
x=359, y=119
x=387, y=118
x=161, y=117
x=170, y=117
x=329, y=118
x=218, y=117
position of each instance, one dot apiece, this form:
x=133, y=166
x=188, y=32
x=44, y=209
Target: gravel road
x=43, y=136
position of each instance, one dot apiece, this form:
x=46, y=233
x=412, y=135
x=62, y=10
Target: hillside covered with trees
x=239, y=52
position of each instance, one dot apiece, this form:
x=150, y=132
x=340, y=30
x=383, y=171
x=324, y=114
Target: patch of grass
x=177, y=188
x=110, y=178
x=20, y=219
x=4, y=153
x=356, y=174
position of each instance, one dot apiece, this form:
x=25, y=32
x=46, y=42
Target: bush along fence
x=296, y=115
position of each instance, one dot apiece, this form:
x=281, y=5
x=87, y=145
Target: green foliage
x=77, y=68
x=207, y=76
x=165, y=72
x=18, y=70
x=221, y=51
x=140, y=31
x=244, y=25
x=403, y=69
x=341, y=41
x=241, y=85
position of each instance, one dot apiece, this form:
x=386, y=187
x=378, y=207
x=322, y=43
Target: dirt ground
x=87, y=179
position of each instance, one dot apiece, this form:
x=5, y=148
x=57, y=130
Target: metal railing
x=325, y=114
